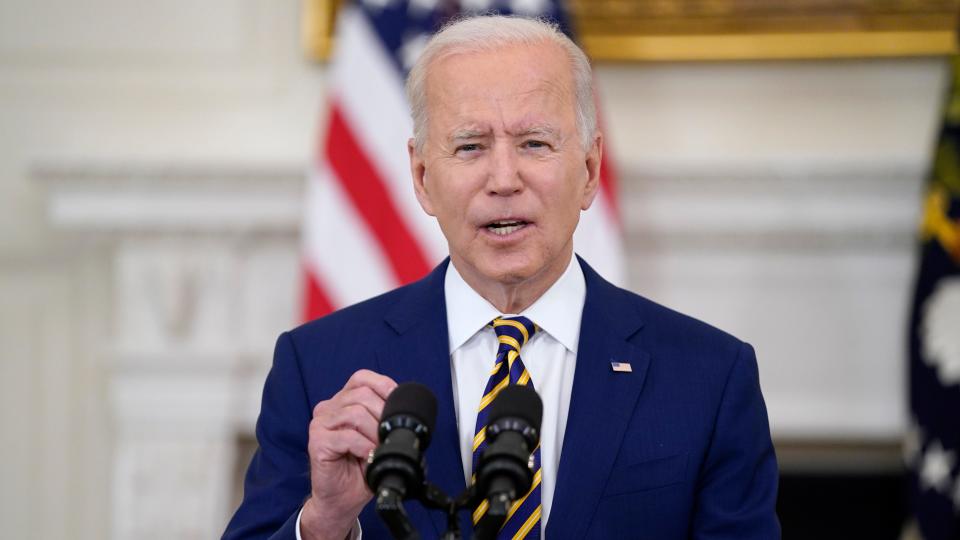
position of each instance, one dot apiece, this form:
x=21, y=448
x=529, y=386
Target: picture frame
x=728, y=30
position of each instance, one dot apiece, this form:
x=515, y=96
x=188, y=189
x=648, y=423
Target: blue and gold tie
x=523, y=519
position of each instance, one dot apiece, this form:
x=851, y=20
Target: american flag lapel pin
x=621, y=367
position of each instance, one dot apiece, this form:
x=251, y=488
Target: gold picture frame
x=716, y=30
x=316, y=27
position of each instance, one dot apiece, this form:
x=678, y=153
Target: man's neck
x=514, y=297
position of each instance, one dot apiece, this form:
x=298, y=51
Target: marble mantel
x=810, y=263
x=203, y=278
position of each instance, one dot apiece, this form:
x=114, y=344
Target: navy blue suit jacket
x=679, y=448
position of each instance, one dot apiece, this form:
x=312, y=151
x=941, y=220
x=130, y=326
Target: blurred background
x=160, y=227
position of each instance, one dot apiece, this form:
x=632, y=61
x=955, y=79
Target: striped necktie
x=523, y=519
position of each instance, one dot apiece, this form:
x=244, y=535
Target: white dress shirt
x=550, y=357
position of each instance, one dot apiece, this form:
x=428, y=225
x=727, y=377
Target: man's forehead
x=502, y=87
x=523, y=68
x=532, y=101
x=516, y=90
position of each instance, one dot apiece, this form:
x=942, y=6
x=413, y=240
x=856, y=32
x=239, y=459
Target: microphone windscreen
x=518, y=402
x=413, y=399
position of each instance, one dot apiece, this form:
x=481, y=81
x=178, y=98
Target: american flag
x=621, y=367
x=363, y=231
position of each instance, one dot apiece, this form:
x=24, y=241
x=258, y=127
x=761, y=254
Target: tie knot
x=520, y=329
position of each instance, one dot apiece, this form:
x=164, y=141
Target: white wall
x=117, y=86
x=779, y=201
x=776, y=200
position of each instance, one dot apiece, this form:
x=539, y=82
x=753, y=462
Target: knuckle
x=361, y=375
x=365, y=393
x=358, y=416
x=320, y=408
x=317, y=441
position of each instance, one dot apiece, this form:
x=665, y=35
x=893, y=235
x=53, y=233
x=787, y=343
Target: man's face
x=503, y=168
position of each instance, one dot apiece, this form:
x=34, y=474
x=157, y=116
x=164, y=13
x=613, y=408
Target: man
x=654, y=424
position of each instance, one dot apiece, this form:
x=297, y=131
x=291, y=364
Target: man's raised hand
x=343, y=432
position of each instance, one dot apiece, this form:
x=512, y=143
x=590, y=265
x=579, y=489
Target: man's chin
x=506, y=269
x=512, y=272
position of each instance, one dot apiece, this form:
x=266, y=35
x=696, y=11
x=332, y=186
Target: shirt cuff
x=356, y=533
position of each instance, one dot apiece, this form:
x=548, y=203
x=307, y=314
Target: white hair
x=485, y=33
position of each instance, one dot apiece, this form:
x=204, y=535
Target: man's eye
x=536, y=144
x=468, y=148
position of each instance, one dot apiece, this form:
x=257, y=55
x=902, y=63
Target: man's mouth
x=506, y=226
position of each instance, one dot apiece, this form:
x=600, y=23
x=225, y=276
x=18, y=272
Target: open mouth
x=506, y=226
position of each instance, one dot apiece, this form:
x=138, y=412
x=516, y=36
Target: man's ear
x=418, y=170
x=593, y=159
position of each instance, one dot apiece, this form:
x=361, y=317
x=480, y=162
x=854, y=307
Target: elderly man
x=654, y=425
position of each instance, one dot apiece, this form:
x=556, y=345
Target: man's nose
x=504, y=175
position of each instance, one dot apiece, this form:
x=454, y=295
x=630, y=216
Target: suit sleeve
x=278, y=479
x=737, y=491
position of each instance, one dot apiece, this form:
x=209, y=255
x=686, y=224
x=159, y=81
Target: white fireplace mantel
x=812, y=264
x=204, y=277
x=149, y=198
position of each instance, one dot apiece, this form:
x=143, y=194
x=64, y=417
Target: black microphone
x=396, y=469
x=505, y=469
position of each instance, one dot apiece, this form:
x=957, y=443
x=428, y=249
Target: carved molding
x=203, y=277
x=173, y=198
x=173, y=487
x=758, y=205
x=759, y=208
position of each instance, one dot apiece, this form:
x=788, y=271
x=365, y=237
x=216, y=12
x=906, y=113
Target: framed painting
x=706, y=30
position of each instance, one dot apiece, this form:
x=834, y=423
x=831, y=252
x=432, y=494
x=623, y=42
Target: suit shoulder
x=660, y=324
x=689, y=351
x=367, y=314
x=683, y=336
x=671, y=321
x=328, y=350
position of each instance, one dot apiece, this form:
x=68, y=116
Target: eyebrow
x=543, y=130
x=462, y=134
x=466, y=134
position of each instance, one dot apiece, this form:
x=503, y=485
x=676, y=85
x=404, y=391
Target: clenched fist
x=342, y=433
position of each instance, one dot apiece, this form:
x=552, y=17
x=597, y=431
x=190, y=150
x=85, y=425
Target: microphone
x=395, y=470
x=505, y=469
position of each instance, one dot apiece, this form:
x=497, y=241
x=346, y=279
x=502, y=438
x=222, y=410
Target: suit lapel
x=421, y=352
x=601, y=404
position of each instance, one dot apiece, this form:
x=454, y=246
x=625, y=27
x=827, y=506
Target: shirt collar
x=557, y=312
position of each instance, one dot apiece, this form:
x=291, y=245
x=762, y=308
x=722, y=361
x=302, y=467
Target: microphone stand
x=394, y=515
x=392, y=512
x=393, y=492
x=434, y=497
x=507, y=470
x=489, y=525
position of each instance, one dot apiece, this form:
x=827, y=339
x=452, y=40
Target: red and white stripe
x=364, y=232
